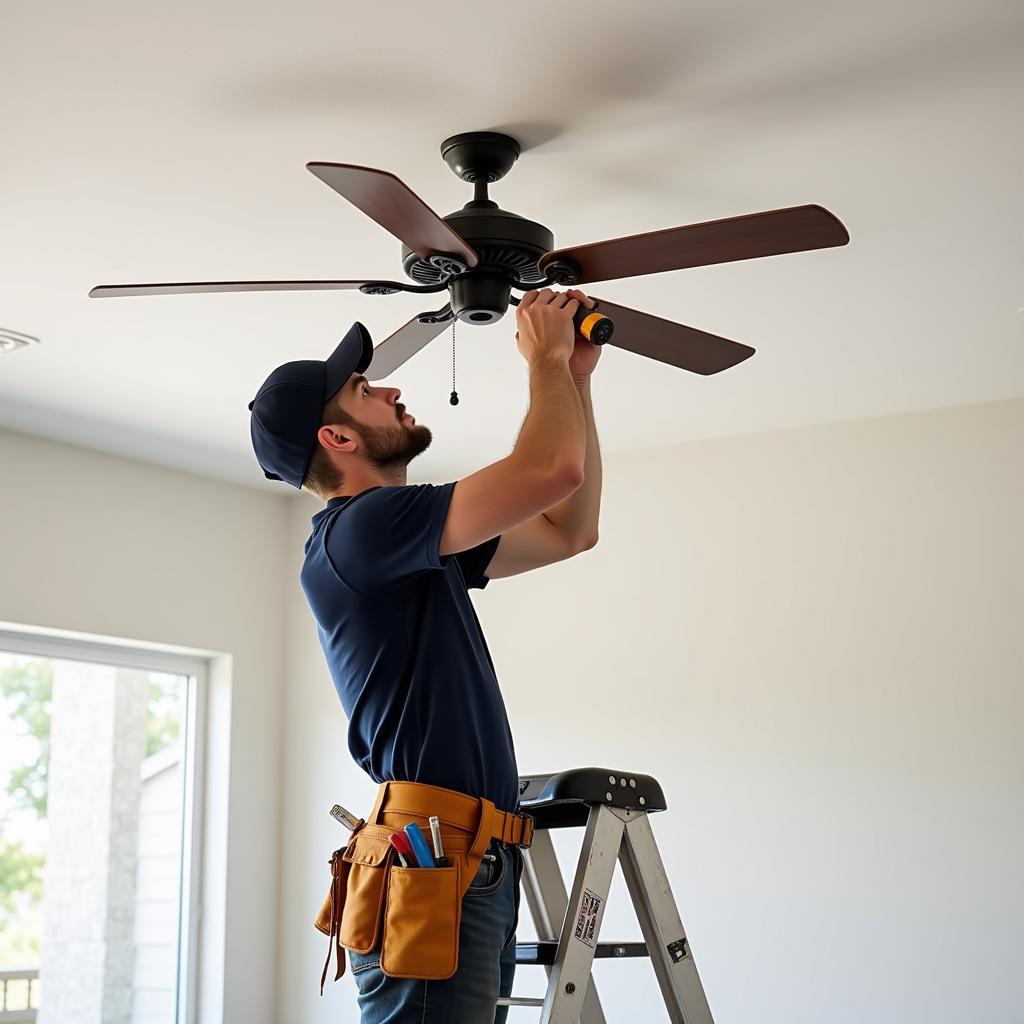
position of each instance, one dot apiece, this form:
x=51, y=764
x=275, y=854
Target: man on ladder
x=387, y=572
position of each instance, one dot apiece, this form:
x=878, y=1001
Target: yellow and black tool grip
x=594, y=326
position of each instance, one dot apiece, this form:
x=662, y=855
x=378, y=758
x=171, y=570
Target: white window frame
x=195, y=666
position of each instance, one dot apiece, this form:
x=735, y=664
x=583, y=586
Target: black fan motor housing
x=509, y=247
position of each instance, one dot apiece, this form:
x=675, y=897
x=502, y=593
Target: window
x=99, y=795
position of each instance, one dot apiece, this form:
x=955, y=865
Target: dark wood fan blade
x=105, y=291
x=797, y=229
x=401, y=346
x=394, y=206
x=669, y=342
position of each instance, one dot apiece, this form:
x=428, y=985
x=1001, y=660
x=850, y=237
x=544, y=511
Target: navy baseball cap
x=288, y=408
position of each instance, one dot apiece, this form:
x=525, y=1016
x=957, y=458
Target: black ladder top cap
x=564, y=799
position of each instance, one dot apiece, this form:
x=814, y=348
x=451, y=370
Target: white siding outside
x=156, y=890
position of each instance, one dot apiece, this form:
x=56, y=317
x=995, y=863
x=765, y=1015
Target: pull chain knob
x=455, y=395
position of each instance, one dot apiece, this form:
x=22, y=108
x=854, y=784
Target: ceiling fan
x=480, y=253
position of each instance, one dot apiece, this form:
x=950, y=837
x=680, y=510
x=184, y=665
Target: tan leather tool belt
x=413, y=913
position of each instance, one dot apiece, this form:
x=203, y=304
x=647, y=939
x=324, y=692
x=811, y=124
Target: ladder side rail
x=544, y=888
x=546, y=896
x=571, y=973
x=661, y=925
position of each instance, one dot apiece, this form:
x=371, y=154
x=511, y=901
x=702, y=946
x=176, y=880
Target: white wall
x=104, y=545
x=813, y=639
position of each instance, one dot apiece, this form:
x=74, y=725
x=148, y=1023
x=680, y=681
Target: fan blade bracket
x=562, y=270
x=447, y=263
x=378, y=288
x=439, y=316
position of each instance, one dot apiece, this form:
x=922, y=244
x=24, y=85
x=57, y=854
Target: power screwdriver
x=594, y=326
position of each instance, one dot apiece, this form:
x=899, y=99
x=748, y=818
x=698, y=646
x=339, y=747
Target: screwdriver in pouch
x=435, y=833
x=419, y=845
x=403, y=849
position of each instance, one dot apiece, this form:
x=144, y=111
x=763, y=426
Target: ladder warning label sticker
x=586, y=923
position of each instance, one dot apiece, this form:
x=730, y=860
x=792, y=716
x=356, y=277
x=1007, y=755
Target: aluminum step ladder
x=614, y=807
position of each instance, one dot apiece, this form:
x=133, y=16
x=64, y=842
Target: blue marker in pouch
x=419, y=845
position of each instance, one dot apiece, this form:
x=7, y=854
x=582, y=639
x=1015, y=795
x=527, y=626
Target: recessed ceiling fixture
x=10, y=340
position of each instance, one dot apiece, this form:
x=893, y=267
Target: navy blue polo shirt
x=404, y=645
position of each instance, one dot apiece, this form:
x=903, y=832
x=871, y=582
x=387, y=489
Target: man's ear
x=334, y=439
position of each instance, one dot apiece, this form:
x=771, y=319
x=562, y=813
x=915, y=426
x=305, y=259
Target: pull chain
x=455, y=395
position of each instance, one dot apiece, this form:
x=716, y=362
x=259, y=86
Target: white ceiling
x=167, y=142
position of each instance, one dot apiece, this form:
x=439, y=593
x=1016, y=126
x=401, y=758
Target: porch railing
x=19, y=994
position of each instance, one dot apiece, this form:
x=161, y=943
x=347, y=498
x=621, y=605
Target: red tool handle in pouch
x=400, y=841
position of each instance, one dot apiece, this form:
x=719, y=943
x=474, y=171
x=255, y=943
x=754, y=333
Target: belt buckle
x=532, y=826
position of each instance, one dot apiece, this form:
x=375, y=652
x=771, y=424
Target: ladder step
x=543, y=953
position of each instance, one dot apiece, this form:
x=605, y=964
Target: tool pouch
x=412, y=913
x=423, y=910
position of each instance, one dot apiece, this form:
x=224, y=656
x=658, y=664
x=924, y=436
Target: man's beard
x=390, y=448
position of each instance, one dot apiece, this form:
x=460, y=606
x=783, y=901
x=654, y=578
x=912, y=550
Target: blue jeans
x=487, y=958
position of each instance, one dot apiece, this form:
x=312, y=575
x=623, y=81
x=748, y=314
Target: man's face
x=390, y=436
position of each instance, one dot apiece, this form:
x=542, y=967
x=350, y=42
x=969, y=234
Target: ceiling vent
x=11, y=341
